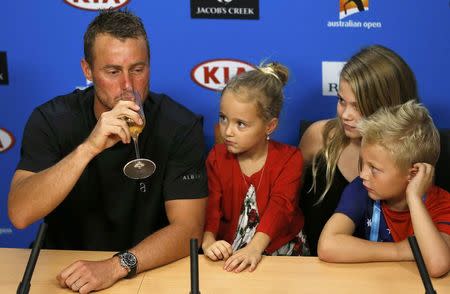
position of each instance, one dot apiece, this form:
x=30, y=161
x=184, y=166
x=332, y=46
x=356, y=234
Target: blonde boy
x=394, y=197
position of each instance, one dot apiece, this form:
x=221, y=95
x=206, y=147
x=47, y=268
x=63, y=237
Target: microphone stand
x=24, y=285
x=421, y=265
x=194, y=267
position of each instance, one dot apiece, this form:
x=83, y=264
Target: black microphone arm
x=24, y=285
x=194, y=267
x=421, y=265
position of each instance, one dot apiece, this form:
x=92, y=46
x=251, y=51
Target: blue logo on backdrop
x=3, y=69
x=353, y=7
x=228, y=9
x=97, y=4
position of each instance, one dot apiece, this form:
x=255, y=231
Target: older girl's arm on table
x=434, y=245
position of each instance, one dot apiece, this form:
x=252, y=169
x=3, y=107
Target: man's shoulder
x=172, y=111
x=73, y=103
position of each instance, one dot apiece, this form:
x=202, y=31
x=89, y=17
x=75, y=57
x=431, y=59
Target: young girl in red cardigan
x=253, y=181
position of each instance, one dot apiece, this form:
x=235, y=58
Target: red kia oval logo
x=6, y=140
x=214, y=74
x=97, y=4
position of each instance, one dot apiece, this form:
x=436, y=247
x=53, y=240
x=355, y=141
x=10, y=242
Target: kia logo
x=214, y=74
x=6, y=140
x=97, y=4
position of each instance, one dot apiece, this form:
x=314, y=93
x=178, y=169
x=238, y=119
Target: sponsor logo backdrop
x=192, y=57
x=237, y=9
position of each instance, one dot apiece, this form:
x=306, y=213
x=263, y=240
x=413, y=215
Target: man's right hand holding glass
x=112, y=128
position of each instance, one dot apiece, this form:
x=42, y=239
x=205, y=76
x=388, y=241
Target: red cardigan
x=277, y=195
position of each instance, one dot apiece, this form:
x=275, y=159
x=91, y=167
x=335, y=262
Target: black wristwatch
x=128, y=261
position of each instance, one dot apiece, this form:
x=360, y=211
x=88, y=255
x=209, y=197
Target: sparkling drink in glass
x=139, y=168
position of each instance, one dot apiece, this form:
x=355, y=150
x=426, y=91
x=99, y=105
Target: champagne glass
x=139, y=168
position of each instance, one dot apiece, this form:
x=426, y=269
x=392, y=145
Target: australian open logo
x=358, y=10
x=349, y=7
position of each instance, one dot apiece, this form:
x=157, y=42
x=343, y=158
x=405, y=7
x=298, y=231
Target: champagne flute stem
x=136, y=146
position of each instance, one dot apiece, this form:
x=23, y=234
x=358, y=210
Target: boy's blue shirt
x=358, y=206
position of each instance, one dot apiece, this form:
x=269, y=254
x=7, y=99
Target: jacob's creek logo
x=6, y=140
x=236, y=9
x=97, y=4
x=3, y=69
x=331, y=71
x=353, y=7
x=214, y=74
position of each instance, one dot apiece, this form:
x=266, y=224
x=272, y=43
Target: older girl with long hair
x=373, y=78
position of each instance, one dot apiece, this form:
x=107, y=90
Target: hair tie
x=269, y=71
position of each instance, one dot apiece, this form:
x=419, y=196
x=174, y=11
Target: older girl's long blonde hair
x=379, y=78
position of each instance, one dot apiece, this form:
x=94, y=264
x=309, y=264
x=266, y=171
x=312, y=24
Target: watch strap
x=131, y=269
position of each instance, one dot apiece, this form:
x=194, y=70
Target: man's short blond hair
x=407, y=131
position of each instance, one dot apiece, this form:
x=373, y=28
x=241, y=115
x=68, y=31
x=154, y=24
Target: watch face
x=129, y=259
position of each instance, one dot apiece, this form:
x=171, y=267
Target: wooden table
x=273, y=275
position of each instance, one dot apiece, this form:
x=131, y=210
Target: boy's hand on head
x=421, y=181
x=243, y=258
x=219, y=250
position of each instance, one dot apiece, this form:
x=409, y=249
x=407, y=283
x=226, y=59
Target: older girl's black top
x=316, y=215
